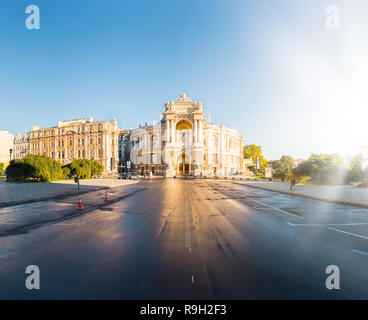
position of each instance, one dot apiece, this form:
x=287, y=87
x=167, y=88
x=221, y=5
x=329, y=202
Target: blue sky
x=270, y=69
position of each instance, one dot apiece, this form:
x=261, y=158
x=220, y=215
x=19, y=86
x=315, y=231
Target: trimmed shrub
x=34, y=167
x=81, y=168
x=96, y=168
x=84, y=168
x=19, y=170
x=46, y=169
x=67, y=173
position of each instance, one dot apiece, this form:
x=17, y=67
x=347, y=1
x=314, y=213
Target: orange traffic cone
x=106, y=196
x=80, y=206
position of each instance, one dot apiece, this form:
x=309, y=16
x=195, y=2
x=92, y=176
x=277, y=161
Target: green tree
x=96, y=168
x=45, y=168
x=356, y=172
x=2, y=167
x=67, y=173
x=19, y=170
x=324, y=168
x=282, y=168
x=251, y=151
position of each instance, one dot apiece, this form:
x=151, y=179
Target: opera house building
x=184, y=142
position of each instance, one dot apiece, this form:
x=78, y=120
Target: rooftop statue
x=183, y=98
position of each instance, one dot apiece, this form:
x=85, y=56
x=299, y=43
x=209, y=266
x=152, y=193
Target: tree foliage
x=331, y=168
x=34, y=167
x=83, y=168
x=252, y=151
x=282, y=168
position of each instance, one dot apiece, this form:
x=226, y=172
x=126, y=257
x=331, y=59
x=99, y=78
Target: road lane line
x=325, y=224
x=360, y=252
x=349, y=233
x=187, y=230
x=10, y=223
x=283, y=211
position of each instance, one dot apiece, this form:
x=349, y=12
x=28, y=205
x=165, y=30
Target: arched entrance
x=183, y=163
x=184, y=132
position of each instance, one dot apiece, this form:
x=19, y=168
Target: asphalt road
x=186, y=239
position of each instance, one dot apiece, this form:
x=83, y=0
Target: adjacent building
x=185, y=142
x=78, y=139
x=6, y=146
x=20, y=146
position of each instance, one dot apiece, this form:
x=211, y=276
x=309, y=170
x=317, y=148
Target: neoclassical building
x=21, y=146
x=184, y=142
x=78, y=139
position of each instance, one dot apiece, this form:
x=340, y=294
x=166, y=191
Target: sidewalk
x=24, y=217
x=342, y=194
x=17, y=193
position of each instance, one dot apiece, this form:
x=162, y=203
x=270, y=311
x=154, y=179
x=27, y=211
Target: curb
x=300, y=195
x=58, y=196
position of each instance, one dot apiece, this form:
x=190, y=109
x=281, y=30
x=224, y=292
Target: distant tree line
x=41, y=168
x=319, y=168
x=331, y=169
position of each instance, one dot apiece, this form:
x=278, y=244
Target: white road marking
x=360, y=252
x=325, y=224
x=283, y=211
x=69, y=223
x=349, y=233
x=10, y=222
x=187, y=230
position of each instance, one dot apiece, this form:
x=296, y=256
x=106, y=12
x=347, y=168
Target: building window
x=70, y=142
x=90, y=140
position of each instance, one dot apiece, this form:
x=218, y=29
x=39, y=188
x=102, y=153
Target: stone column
x=200, y=131
x=173, y=131
x=195, y=131
x=168, y=131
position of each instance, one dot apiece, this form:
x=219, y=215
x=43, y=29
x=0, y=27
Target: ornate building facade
x=21, y=146
x=78, y=139
x=185, y=142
